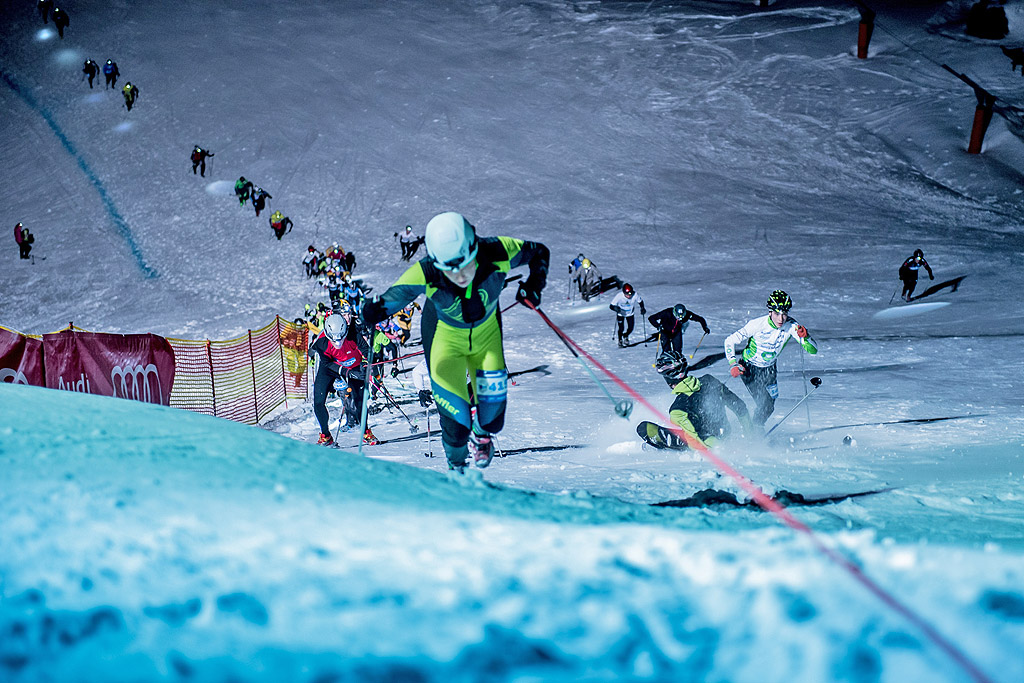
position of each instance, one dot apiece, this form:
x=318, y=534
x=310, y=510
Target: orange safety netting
x=241, y=379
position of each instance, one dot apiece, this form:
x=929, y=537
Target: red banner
x=133, y=366
x=21, y=359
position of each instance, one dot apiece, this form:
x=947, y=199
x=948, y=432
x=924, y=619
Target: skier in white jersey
x=623, y=305
x=764, y=338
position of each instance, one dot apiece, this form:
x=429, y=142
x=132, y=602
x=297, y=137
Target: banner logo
x=135, y=382
x=13, y=376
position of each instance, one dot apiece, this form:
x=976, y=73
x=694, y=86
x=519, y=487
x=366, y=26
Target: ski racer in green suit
x=699, y=408
x=462, y=277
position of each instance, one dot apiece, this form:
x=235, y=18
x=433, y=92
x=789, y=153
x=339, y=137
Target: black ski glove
x=374, y=311
x=426, y=398
x=528, y=293
x=643, y=311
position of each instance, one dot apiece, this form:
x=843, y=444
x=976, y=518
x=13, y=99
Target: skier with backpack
x=242, y=189
x=90, y=69
x=280, y=224
x=199, y=160
x=671, y=324
x=699, y=407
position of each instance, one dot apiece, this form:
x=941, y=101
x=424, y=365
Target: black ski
x=784, y=498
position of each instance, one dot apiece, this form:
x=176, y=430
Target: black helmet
x=671, y=366
x=679, y=311
x=779, y=302
x=918, y=253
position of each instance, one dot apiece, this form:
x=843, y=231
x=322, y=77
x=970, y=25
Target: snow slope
x=707, y=152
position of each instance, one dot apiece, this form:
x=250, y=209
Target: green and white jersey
x=764, y=341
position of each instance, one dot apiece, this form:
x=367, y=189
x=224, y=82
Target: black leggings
x=625, y=322
x=763, y=385
x=353, y=403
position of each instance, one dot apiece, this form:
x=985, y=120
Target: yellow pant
x=454, y=352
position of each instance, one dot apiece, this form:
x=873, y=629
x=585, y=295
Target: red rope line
x=773, y=507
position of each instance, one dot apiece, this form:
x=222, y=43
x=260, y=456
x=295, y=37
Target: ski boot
x=325, y=440
x=369, y=439
x=347, y=427
x=482, y=448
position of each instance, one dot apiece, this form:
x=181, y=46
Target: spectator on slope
x=110, y=73
x=92, y=70
x=908, y=273
x=199, y=160
x=623, y=305
x=462, y=277
x=671, y=324
x=762, y=340
x=24, y=240
x=131, y=93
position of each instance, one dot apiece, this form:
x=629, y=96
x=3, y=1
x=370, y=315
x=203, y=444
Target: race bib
x=491, y=386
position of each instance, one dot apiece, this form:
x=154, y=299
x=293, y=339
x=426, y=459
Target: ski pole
x=893, y=296
x=366, y=398
x=698, y=344
x=430, y=448
x=389, y=397
x=803, y=375
x=624, y=407
x=815, y=382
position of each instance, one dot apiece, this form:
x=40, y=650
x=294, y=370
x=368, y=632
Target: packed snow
x=707, y=153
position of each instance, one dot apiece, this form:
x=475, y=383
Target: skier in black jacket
x=672, y=323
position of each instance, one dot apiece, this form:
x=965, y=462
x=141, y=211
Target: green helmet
x=779, y=301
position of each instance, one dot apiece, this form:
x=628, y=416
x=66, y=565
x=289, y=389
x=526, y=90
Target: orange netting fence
x=241, y=379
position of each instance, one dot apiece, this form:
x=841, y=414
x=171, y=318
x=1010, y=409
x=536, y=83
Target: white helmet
x=335, y=328
x=451, y=241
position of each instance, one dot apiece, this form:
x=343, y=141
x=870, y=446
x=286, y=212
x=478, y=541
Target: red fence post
x=982, y=117
x=867, y=27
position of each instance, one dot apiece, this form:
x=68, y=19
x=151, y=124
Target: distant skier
x=242, y=189
x=908, y=273
x=44, y=7
x=762, y=340
x=91, y=69
x=259, y=199
x=280, y=224
x=60, y=20
x=353, y=295
x=410, y=242
x=588, y=279
x=199, y=160
x=339, y=359
x=462, y=277
x=309, y=261
x=623, y=305
x=699, y=408
x=131, y=93
x=671, y=324
x=110, y=73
